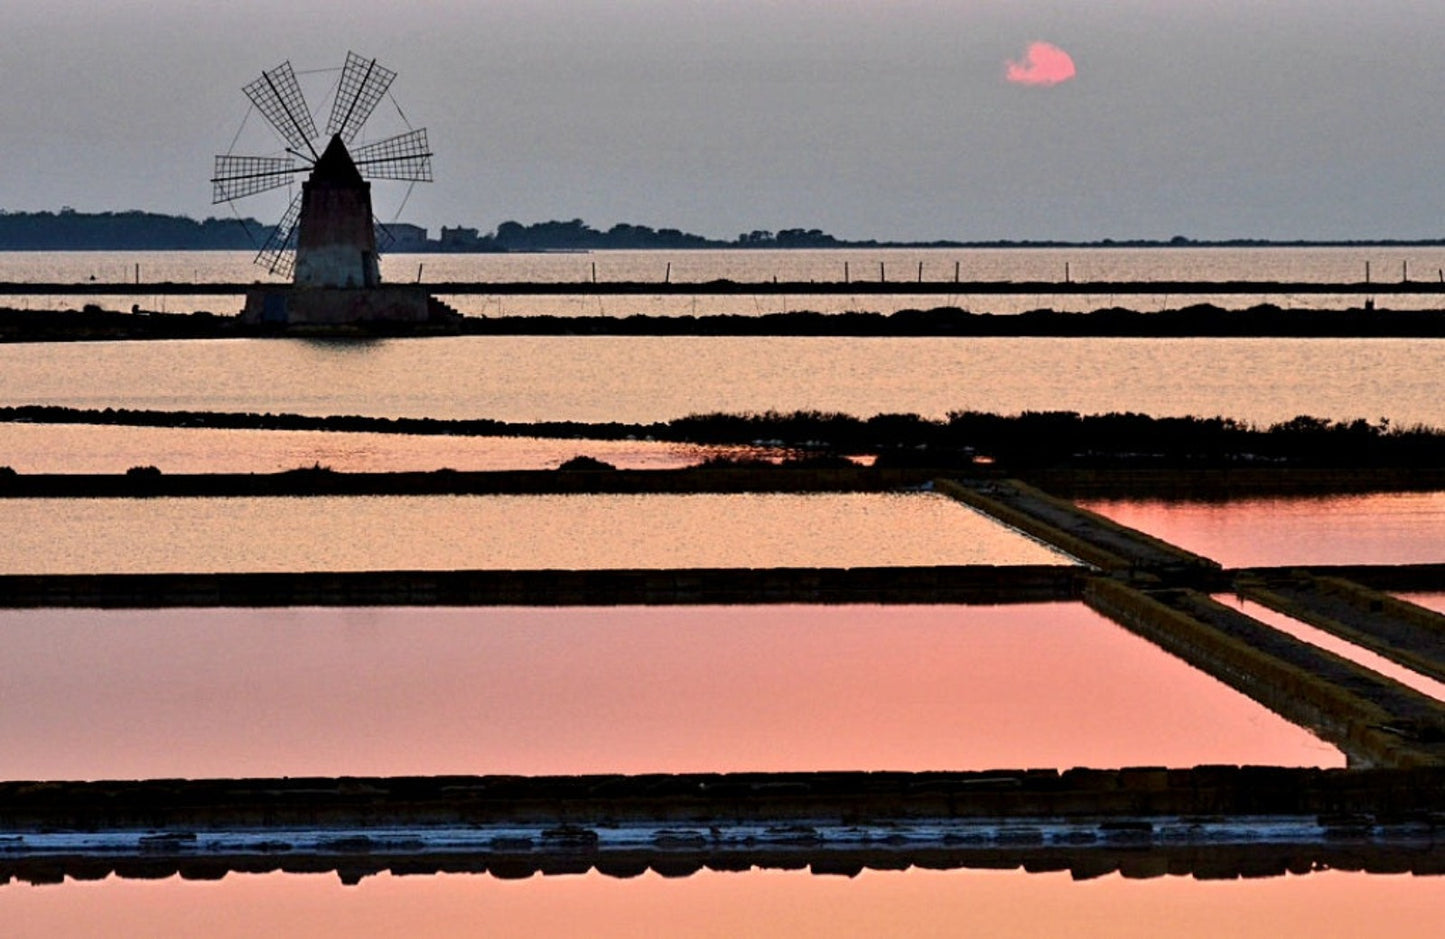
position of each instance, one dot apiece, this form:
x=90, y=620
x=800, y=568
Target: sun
x=1043, y=64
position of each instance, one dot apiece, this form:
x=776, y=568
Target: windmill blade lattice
x=278, y=254
x=405, y=156
x=240, y=176
x=277, y=95
x=363, y=83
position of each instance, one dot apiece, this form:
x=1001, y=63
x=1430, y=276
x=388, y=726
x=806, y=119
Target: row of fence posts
x=1405, y=272
x=957, y=270
x=883, y=273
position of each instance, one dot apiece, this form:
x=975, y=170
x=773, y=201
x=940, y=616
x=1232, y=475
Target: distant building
x=459, y=239
x=406, y=237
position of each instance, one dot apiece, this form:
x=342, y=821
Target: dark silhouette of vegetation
x=585, y=464
x=68, y=230
x=1031, y=439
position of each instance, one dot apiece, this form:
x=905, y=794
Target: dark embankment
x=1195, y=321
x=1393, y=457
x=639, y=587
x=1264, y=320
x=141, y=482
x=1099, y=851
x=1218, y=822
x=1392, y=794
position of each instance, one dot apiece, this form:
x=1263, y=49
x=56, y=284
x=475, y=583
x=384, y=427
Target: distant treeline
x=1028, y=440
x=69, y=230
x=577, y=235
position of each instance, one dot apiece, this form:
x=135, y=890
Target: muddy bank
x=1216, y=485
x=147, y=482
x=1262, y=320
x=1336, y=798
x=984, y=584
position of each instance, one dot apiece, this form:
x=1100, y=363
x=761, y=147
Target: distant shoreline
x=1053, y=441
x=68, y=230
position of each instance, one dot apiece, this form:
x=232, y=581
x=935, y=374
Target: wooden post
x=137, y=272
x=667, y=277
x=846, y=278
x=882, y=275
x=418, y=272
x=1066, y=272
x=955, y=272
x=920, y=272
x=594, y=272
x=1404, y=271
x=1367, y=272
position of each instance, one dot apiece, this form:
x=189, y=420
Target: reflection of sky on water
x=1433, y=601
x=756, y=903
x=506, y=532
x=1376, y=528
x=160, y=693
x=646, y=379
x=96, y=448
x=1358, y=654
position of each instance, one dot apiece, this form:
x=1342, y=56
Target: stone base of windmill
x=321, y=309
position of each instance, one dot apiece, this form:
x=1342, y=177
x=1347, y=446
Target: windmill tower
x=336, y=240
x=327, y=240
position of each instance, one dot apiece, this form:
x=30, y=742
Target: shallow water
x=1322, y=905
x=1377, y=528
x=1036, y=265
x=99, y=448
x=322, y=533
x=235, y=692
x=1431, y=601
x=1348, y=650
x=644, y=379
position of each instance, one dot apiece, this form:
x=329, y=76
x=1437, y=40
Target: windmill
x=328, y=236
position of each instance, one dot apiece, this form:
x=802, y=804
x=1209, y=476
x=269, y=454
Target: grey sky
x=1213, y=118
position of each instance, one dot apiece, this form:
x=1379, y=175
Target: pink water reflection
x=757, y=903
x=1431, y=601
x=1343, y=648
x=105, y=694
x=1377, y=528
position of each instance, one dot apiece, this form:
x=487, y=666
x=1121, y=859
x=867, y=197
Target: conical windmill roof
x=336, y=168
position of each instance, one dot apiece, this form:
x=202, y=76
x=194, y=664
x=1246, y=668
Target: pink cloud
x=1043, y=64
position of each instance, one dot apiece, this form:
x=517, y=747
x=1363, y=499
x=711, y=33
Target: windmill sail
x=405, y=156
x=328, y=236
x=363, y=83
x=277, y=95
x=277, y=255
x=240, y=176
